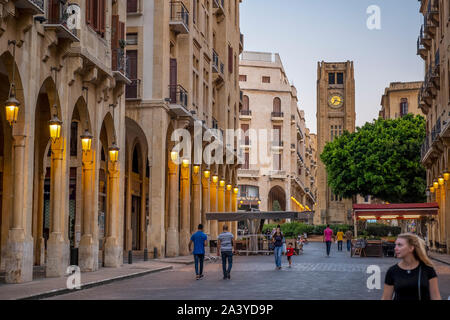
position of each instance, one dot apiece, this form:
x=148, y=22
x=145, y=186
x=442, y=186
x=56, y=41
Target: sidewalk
x=444, y=258
x=47, y=287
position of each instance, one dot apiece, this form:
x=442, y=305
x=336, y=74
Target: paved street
x=313, y=276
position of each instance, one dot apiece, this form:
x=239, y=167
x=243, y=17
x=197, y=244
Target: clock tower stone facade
x=335, y=114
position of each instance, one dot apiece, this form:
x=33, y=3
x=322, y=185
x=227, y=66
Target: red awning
x=395, y=210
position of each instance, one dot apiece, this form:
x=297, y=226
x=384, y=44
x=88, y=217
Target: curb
x=58, y=292
x=441, y=261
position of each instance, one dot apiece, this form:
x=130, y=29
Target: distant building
x=399, y=99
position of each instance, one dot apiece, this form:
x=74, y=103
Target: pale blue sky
x=304, y=32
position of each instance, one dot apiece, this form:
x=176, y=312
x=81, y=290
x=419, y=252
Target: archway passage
x=277, y=199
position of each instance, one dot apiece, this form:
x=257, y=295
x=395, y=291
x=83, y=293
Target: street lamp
x=174, y=156
x=432, y=189
x=55, y=127
x=236, y=190
x=86, y=141
x=12, y=104
x=229, y=186
x=215, y=179
x=114, y=152
x=441, y=181
x=222, y=183
x=196, y=169
x=435, y=184
x=185, y=163
x=446, y=175
x=206, y=174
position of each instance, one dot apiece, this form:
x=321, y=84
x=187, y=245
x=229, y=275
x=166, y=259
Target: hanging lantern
x=196, y=169
x=432, y=189
x=446, y=176
x=229, y=186
x=55, y=128
x=222, y=183
x=86, y=141
x=185, y=163
x=206, y=173
x=259, y=201
x=435, y=184
x=12, y=109
x=241, y=202
x=441, y=181
x=236, y=190
x=174, y=156
x=215, y=179
x=114, y=153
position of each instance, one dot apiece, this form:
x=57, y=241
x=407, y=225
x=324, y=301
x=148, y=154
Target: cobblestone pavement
x=312, y=276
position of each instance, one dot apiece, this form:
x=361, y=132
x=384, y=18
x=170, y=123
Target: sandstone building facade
x=335, y=113
x=434, y=99
x=399, y=99
x=278, y=171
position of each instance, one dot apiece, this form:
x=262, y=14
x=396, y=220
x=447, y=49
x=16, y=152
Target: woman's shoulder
x=393, y=268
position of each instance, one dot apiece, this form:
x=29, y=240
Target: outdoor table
x=374, y=248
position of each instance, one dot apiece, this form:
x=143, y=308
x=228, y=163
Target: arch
x=277, y=105
x=246, y=103
x=277, y=194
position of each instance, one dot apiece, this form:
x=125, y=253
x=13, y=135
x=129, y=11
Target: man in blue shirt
x=200, y=241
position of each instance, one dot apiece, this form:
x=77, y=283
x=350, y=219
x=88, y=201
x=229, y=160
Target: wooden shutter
x=276, y=105
x=173, y=80
x=53, y=11
x=132, y=6
x=114, y=40
x=101, y=16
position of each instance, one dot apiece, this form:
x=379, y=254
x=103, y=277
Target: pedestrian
x=414, y=277
x=199, y=239
x=340, y=239
x=327, y=236
x=348, y=237
x=225, y=246
x=277, y=240
x=290, y=252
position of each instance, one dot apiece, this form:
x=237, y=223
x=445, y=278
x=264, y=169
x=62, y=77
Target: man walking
x=200, y=241
x=327, y=236
x=340, y=239
x=225, y=245
x=348, y=237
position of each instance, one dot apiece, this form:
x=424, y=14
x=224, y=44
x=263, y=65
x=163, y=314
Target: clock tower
x=335, y=114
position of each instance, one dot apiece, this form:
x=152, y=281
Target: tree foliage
x=381, y=159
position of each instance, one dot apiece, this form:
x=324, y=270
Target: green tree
x=381, y=159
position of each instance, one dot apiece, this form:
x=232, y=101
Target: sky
x=305, y=32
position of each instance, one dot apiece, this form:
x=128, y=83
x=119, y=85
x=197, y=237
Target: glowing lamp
x=432, y=189
x=174, y=156
x=185, y=163
x=441, y=181
x=114, y=153
x=206, y=173
x=86, y=141
x=55, y=128
x=236, y=190
x=215, y=179
x=229, y=186
x=222, y=183
x=196, y=169
x=446, y=176
x=12, y=109
x=259, y=201
x=435, y=184
x=241, y=202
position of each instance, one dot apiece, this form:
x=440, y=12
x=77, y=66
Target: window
x=243, y=77
x=246, y=161
x=335, y=131
x=74, y=139
x=265, y=79
x=95, y=15
x=277, y=105
x=230, y=59
x=132, y=6
x=277, y=162
x=248, y=192
x=246, y=103
x=132, y=39
x=331, y=78
x=340, y=78
x=403, y=107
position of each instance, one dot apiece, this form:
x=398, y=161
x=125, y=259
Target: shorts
x=289, y=258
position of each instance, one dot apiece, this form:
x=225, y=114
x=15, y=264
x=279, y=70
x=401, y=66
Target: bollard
x=155, y=253
x=145, y=254
x=130, y=257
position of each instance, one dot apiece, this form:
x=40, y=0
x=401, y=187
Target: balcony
x=245, y=143
x=217, y=69
x=421, y=50
x=241, y=43
x=299, y=133
x=245, y=115
x=425, y=99
x=436, y=131
x=429, y=26
x=277, y=145
x=277, y=174
x=178, y=100
x=179, y=17
x=277, y=116
x=31, y=6
x=241, y=98
x=300, y=158
x=424, y=39
x=293, y=148
x=219, y=6
x=247, y=173
x=58, y=24
x=432, y=14
x=292, y=119
x=119, y=65
x=437, y=68
x=133, y=90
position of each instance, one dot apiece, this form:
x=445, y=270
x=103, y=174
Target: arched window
x=403, y=107
x=246, y=101
x=277, y=105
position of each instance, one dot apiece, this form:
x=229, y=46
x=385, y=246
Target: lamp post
x=86, y=141
x=114, y=152
x=12, y=104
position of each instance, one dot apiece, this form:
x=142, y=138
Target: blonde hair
x=419, y=252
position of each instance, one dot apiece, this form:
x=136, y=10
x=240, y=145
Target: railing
x=178, y=95
x=277, y=114
x=245, y=112
x=179, y=13
x=241, y=40
x=120, y=63
x=299, y=156
x=245, y=142
x=437, y=62
x=292, y=145
x=425, y=147
x=62, y=17
x=436, y=130
x=219, y=3
x=277, y=143
x=241, y=96
x=215, y=61
x=132, y=90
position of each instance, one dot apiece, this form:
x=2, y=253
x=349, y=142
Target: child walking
x=289, y=253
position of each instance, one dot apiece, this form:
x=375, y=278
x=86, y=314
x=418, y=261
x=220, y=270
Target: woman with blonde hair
x=414, y=277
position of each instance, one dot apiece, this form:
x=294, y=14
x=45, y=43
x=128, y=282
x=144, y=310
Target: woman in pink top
x=327, y=237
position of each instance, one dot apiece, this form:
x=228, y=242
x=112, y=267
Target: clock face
x=336, y=100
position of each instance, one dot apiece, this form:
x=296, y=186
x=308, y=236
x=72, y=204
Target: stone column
x=234, y=209
x=57, y=244
x=196, y=199
x=221, y=204
x=113, y=249
x=172, y=240
x=19, y=247
x=213, y=208
x=38, y=218
x=143, y=216
x=228, y=205
x=88, y=247
x=205, y=204
x=185, y=210
x=447, y=214
x=129, y=232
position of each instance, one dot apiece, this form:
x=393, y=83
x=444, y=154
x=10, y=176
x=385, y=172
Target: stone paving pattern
x=313, y=276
